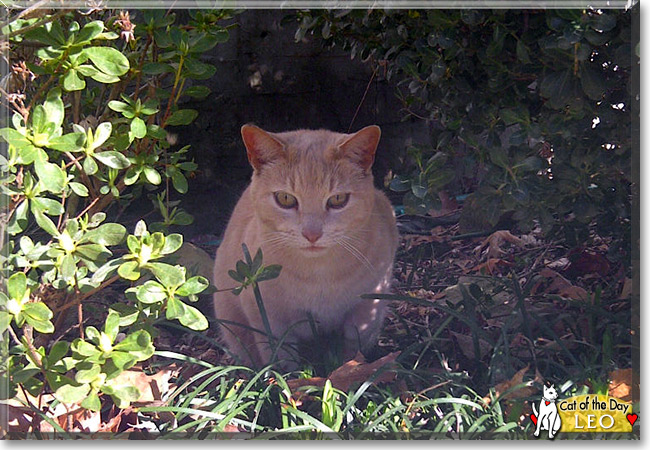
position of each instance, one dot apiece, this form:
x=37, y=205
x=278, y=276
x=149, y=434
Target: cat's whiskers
x=276, y=240
x=354, y=251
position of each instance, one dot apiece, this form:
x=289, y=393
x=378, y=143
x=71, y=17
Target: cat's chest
x=323, y=291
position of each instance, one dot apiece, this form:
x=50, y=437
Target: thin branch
x=25, y=12
x=363, y=98
x=87, y=294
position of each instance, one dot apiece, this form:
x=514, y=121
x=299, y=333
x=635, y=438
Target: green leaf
x=128, y=314
x=42, y=326
x=172, y=243
x=522, y=53
x=18, y=221
x=72, y=81
x=152, y=175
x=42, y=35
x=48, y=205
x=5, y=320
x=58, y=351
x=101, y=135
x=71, y=142
x=138, y=128
x=54, y=107
x=52, y=176
x=107, y=234
x=69, y=393
x=17, y=286
x=90, y=166
x=175, y=308
x=108, y=60
x=204, y=43
x=44, y=222
x=112, y=324
x=604, y=22
x=509, y=116
x=193, y=286
x=593, y=82
x=222, y=35
x=84, y=348
x=197, y=91
x=170, y=276
x=182, y=218
x=129, y=270
x=270, y=272
x=113, y=159
x=499, y=157
x=151, y=292
x=119, y=106
x=89, y=32
x=67, y=268
x=123, y=395
x=89, y=374
x=179, y=182
x=193, y=319
x=137, y=344
x=38, y=311
x=79, y=189
x=557, y=88
x=236, y=276
x=15, y=138
x=123, y=360
x=182, y=117
x=92, y=402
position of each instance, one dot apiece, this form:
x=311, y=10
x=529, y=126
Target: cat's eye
x=285, y=200
x=338, y=201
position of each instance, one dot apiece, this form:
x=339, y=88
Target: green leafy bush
x=529, y=110
x=91, y=96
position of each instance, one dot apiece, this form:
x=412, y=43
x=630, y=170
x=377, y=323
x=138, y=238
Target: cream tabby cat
x=312, y=208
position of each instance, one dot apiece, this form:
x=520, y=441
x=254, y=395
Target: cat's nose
x=312, y=234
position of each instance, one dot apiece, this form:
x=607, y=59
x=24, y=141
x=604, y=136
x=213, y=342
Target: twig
x=363, y=98
x=140, y=63
x=88, y=294
x=24, y=12
x=80, y=314
x=58, y=225
x=83, y=173
x=87, y=208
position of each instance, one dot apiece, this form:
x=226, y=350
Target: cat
x=548, y=417
x=312, y=207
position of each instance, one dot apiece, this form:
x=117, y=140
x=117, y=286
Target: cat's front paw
x=536, y=433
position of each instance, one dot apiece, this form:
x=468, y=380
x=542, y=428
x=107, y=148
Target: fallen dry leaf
x=584, y=262
x=495, y=241
x=492, y=266
x=501, y=389
x=561, y=286
x=151, y=387
x=353, y=371
x=622, y=386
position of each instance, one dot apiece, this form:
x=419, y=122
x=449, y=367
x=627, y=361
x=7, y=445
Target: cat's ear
x=362, y=145
x=261, y=147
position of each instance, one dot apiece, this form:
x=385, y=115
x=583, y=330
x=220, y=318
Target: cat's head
x=312, y=189
x=550, y=393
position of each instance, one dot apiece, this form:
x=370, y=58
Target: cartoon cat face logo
x=547, y=418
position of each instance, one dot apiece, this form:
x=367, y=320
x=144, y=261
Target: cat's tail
x=535, y=409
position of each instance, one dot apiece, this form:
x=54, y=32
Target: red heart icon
x=632, y=418
x=533, y=417
x=548, y=403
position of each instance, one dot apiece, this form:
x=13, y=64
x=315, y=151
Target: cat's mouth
x=314, y=248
